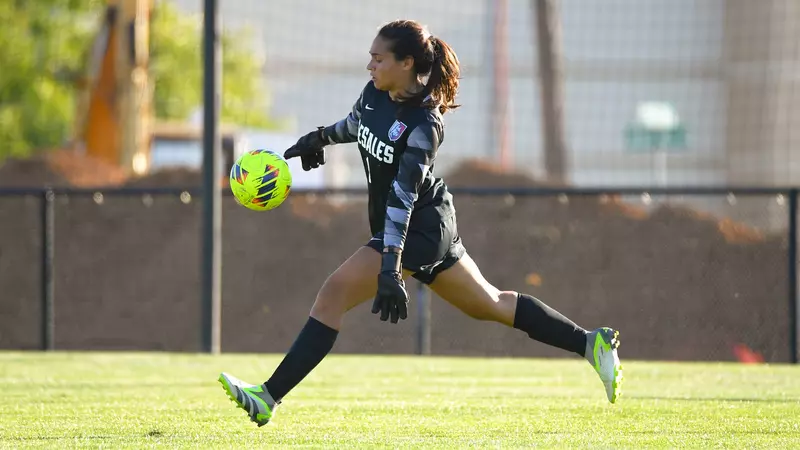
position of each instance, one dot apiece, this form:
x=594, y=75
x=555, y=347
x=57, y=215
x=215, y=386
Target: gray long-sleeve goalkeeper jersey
x=398, y=148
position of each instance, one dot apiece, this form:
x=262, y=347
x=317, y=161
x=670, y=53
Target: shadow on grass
x=56, y=438
x=152, y=433
x=715, y=399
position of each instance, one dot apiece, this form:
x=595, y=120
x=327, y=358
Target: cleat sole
x=617, y=384
x=618, y=377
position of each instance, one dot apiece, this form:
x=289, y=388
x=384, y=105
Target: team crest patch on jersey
x=397, y=130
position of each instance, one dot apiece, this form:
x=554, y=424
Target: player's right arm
x=310, y=148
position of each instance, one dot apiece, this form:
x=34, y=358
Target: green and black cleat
x=601, y=352
x=254, y=399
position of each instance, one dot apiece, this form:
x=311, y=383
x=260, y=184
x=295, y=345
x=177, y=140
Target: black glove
x=392, y=298
x=310, y=149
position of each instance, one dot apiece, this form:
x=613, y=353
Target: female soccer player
x=397, y=122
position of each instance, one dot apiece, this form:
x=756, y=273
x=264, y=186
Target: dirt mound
x=85, y=171
x=477, y=173
x=30, y=173
x=483, y=174
x=70, y=168
x=711, y=285
x=60, y=168
x=168, y=177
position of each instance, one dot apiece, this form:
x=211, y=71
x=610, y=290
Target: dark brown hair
x=432, y=56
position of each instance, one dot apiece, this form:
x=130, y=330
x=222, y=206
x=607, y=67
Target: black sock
x=312, y=344
x=546, y=325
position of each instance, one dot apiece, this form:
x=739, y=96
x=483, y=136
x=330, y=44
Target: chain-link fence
x=656, y=92
x=680, y=285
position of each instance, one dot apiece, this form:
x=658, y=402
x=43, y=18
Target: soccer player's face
x=388, y=74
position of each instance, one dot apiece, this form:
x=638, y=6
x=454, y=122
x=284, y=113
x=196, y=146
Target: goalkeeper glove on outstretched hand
x=310, y=149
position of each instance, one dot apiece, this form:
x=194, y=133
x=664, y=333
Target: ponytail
x=443, y=81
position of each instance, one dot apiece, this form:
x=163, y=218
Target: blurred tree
x=40, y=42
x=43, y=48
x=176, y=68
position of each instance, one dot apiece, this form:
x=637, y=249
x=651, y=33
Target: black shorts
x=428, y=251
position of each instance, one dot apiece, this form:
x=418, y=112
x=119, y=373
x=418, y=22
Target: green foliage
x=44, y=46
x=176, y=67
x=41, y=43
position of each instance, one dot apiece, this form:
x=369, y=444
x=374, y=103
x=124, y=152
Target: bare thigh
x=464, y=287
x=353, y=283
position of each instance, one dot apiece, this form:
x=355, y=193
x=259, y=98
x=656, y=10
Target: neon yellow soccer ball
x=260, y=180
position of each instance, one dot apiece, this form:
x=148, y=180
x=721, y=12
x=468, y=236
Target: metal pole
x=500, y=83
x=424, y=324
x=551, y=85
x=210, y=276
x=48, y=272
x=793, y=288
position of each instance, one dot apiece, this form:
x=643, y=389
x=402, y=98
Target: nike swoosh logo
x=368, y=108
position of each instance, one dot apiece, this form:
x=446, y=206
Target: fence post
x=211, y=263
x=424, y=323
x=48, y=270
x=793, y=288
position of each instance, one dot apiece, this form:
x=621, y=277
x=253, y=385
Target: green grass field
x=136, y=400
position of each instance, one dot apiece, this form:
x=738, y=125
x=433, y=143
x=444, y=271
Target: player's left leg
x=463, y=286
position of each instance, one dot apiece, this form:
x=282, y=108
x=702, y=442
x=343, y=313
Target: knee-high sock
x=546, y=325
x=312, y=344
